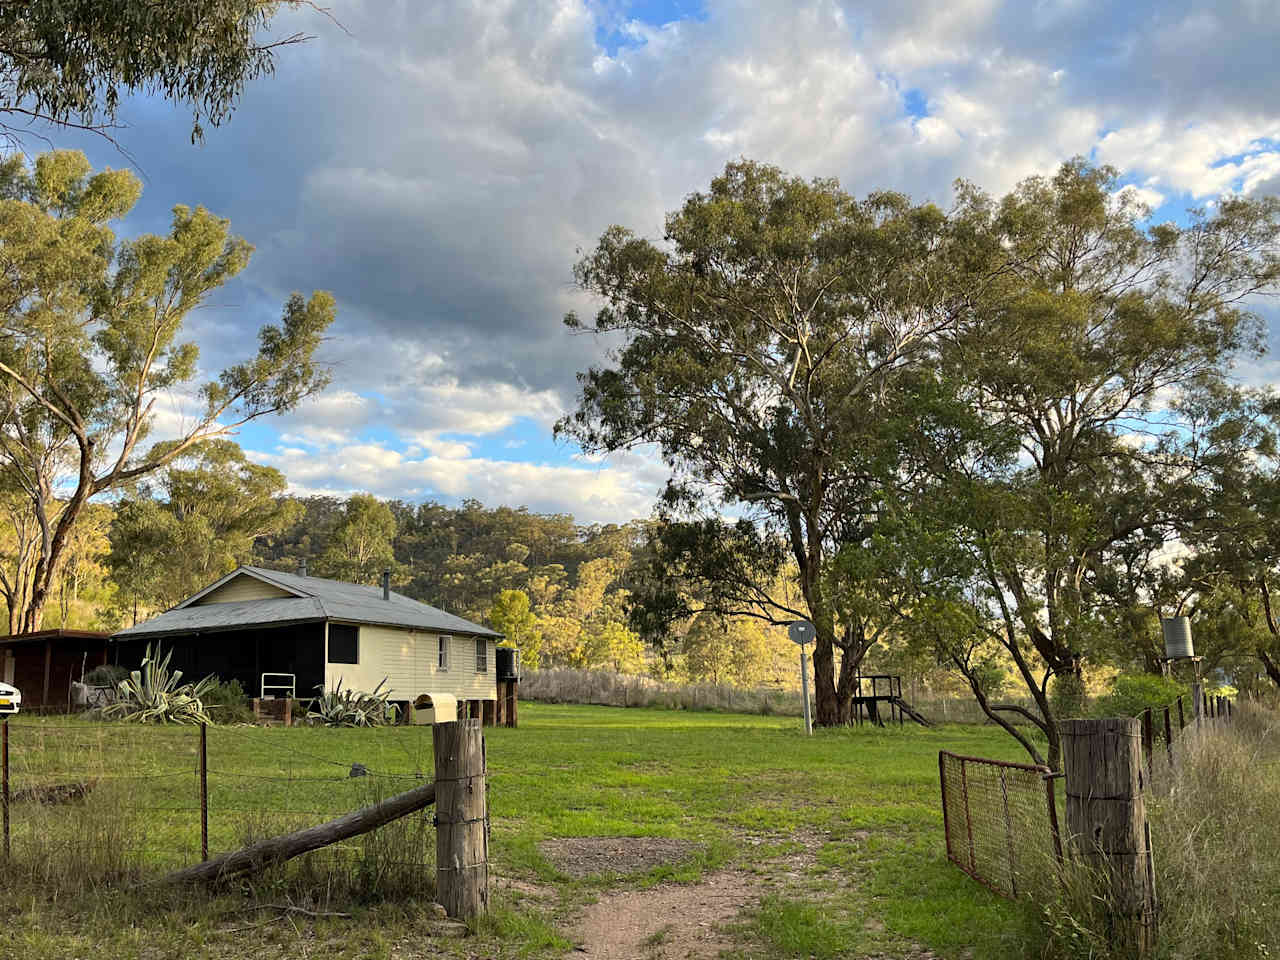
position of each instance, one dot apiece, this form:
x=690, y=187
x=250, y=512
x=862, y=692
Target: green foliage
x=360, y=545
x=153, y=694
x=73, y=62
x=94, y=336
x=199, y=520
x=1131, y=693
x=106, y=675
x=227, y=702
x=510, y=615
x=352, y=708
x=775, y=349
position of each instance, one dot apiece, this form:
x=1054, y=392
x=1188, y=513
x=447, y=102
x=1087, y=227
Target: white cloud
x=1145, y=195
x=439, y=166
x=1197, y=157
x=617, y=489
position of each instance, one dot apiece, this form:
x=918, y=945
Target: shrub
x=227, y=702
x=106, y=675
x=1131, y=693
x=152, y=694
x=353, y=708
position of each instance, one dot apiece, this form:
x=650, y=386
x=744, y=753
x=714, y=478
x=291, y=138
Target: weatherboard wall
x=243, y=588
x=408, y=660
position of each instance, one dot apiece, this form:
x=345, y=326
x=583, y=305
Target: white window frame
x=442, y=652
x=482, y=655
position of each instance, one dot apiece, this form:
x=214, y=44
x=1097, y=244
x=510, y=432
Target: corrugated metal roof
x=320, y=599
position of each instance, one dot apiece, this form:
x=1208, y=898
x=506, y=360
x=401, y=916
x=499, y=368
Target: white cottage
x=278, y=632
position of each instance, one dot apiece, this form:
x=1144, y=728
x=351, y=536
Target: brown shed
x=43, y=664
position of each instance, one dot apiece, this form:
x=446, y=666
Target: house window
x=344, y=643
x=442, y=661
x=482, y=656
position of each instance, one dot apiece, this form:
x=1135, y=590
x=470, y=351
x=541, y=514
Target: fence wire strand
x=123, y=801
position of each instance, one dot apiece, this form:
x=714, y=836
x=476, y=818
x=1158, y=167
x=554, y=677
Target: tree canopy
x=91, y=340
x=71, y=62
x=766, y=346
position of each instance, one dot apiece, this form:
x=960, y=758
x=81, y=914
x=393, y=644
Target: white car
x=10, y=699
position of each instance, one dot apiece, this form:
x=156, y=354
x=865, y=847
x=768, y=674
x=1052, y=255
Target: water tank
x=508, y=664
x=1177, y=637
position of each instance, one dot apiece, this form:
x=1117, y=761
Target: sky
x=439, y=167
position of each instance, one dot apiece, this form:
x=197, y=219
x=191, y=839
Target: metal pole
x=4, y=775
x=804, y=690
x=204, y=792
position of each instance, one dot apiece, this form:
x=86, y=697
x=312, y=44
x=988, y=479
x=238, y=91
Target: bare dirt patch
x=670, y=922
x=588, y=856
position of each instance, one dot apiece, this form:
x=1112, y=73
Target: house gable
x=243, y=586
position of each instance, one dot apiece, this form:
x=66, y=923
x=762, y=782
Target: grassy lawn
x=841, y=833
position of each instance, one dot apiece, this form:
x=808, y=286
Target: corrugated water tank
x=1177, y=637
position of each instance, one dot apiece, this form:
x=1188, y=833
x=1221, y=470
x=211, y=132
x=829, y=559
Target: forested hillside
x=560, y=589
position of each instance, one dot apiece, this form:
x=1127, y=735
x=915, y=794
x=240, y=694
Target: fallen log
x=274, y=850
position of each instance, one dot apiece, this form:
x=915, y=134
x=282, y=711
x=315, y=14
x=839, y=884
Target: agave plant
x=352, y=708
x=153, y=694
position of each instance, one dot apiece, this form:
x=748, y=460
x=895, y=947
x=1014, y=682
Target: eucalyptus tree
x=71, y=62
x=1100, y=344
x=192, y=521
x=91, y=340
x=360, y=545
x=764, y=347
x=1232, y=578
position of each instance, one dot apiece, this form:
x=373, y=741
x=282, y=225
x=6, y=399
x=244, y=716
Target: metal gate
x=1001, y=820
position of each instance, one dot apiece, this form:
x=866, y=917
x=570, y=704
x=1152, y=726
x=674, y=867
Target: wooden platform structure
x=883, y=693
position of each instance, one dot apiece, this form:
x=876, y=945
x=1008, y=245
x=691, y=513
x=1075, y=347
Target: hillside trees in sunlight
x=359, y=546
x=92, y=342
x=191, y=522
x=762, y=347
x=510, y=615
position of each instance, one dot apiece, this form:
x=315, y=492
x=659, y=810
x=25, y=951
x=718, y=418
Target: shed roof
x=313, y=599
x=43, y=635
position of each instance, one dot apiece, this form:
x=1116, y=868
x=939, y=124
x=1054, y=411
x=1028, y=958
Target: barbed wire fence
x=90, y=802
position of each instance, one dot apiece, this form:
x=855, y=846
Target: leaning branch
x=275, y=850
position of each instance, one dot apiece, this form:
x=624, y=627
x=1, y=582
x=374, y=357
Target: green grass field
x=840, y=833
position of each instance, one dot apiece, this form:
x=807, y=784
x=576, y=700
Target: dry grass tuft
x=1215, y=831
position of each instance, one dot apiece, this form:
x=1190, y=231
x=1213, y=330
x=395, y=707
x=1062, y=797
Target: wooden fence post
x=1182, y=719
x=1107, y=820
x=462, y=819
x=1149, y=741
x=1197, y=700
x=204, y=792
x=1168, y=736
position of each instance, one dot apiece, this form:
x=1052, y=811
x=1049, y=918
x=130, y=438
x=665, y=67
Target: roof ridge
x=343, y=583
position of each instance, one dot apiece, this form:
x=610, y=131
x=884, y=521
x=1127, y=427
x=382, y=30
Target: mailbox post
x=801, y=632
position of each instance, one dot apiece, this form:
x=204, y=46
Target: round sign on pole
x=800, y=631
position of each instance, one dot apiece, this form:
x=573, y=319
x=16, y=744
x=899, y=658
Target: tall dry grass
x=604, y=688
x=1215, y=834
x=608, y=689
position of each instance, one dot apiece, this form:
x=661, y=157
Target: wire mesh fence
x=1000, y=820
x=89, y=802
